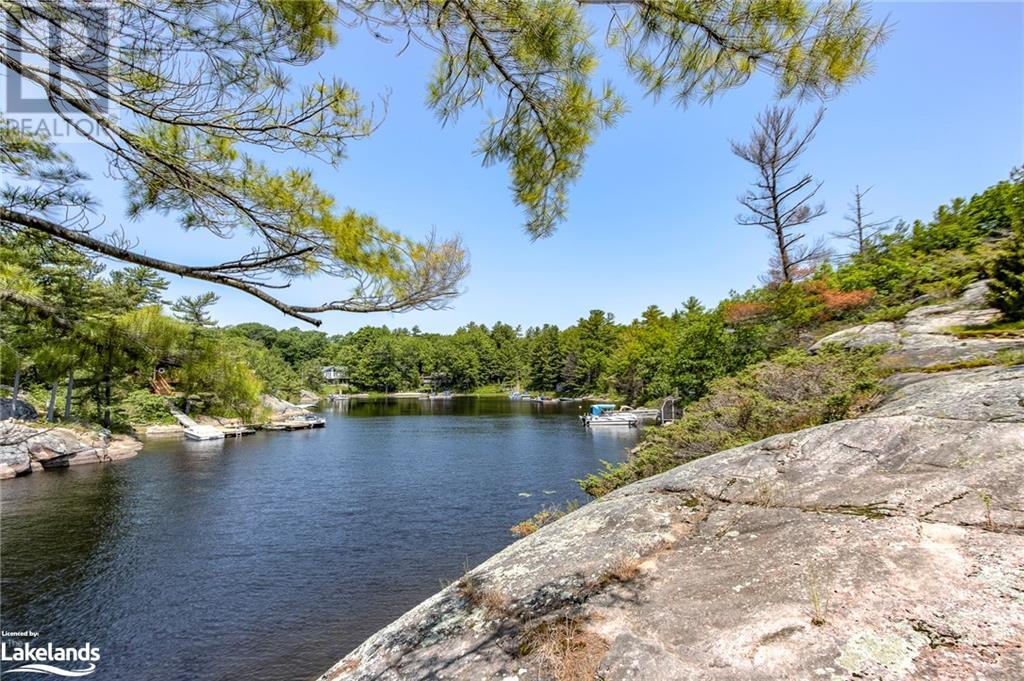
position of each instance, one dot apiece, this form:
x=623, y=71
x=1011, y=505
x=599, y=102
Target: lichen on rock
x=873, y=653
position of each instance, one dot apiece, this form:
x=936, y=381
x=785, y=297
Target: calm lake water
x=271, y=556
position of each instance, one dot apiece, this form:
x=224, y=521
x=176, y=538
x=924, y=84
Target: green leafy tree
x=637, y=366
x=298, y=347
x=276, y=376
x=546, y=359
x=701, y=350
x=377, y=367
x=597, y=336
x=509, y=364
x=942, y=255
x=48, y=294
x=218, y=378
x=1006, y=288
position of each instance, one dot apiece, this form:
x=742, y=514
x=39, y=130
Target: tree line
x=86, y=344
x=205, y=84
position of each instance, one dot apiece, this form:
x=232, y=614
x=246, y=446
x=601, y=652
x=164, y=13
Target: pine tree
x=863, y=231
x=778, y=203
x=213, y=88
x=1006, y=290
x=194, y=310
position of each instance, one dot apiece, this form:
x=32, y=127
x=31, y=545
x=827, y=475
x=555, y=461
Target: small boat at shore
x=305, y=421
x=642, y=413
x=201, y=432
x=237, y=431
x=602, y=415
x=297, y=422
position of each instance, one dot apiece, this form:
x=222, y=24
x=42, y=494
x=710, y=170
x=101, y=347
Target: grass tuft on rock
x=566, y=649
x=493, y=602
x=545, y=516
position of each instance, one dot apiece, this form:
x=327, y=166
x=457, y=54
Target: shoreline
x=29, y=449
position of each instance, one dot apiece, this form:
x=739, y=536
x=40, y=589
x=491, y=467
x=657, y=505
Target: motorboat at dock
x=606, y=415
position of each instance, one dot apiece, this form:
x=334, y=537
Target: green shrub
x=1006, y=289
x=38, y=395
x=140, y=407
x=794, y=390
x=942, y=256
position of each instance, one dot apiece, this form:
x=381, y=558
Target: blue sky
x=652, y=221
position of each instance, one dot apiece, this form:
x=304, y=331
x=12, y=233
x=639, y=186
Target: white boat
x=605, y=415
x=642, y=413
x=306, y=421
x=201, y=432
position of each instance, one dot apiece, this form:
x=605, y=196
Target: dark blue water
x=271, y=556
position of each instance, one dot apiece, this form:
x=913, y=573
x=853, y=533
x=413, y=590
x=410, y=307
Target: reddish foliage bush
x=840, y=301
x=744, y=311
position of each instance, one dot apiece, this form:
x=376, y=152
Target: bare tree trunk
x=106, y=391
x=97, y=398
x=858, y=217
x=53, y=401
x=780, y=239
x=778, y=227
x=863, y=230
x=69, y=396
x=16, y=388
x=780, y=203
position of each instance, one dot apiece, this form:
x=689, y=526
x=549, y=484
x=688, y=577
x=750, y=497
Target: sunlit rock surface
x=24, y=449
x=885, y=547
x=922, y=338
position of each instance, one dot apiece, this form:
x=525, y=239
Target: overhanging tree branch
x=425, y=292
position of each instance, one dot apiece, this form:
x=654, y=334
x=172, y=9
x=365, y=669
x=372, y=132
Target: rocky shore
x=924, y=338
x=889, y=546
x=25, y=449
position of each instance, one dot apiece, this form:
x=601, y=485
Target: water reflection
x=270, y=556
x=614, y=435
